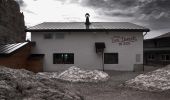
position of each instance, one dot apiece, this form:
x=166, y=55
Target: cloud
x=156, y=13
x=21, y=3
x=148, y=7
x=28, y=11
x=153, y=13
x=152, y=8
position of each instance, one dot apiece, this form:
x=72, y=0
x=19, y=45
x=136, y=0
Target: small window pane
x=59, y=35
x=167, y=57
x=63, y=58
x=151, y=57
x=138, y=57
x=48, y=36
x=110, y=58
x=163, y=57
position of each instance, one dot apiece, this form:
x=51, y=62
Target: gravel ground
x=111, y=90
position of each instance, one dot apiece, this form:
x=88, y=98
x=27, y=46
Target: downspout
x=143, y=51
x=145, y=35
x=103, y=61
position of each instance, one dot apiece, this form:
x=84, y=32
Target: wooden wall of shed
x=19, y=60
x=35, y=64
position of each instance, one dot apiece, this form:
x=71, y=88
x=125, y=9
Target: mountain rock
x=12, y=23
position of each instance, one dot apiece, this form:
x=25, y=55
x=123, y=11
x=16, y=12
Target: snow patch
x=20, y=84
x=158, y=80
x=75, y=74
x=47, y=75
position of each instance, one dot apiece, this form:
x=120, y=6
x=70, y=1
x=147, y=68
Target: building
x=157, y=50
x=12, y=25
x=95, y=45
x=18, y=55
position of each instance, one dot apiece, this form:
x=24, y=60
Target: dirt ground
x=111, y=90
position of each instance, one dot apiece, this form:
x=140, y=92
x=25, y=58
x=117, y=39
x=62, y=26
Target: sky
x=153, y=14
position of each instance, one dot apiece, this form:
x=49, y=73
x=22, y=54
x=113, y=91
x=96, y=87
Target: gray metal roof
x=80, y=26
x=10, y=48
x=163, y=35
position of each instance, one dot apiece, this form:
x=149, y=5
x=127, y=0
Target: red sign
x=124, y=40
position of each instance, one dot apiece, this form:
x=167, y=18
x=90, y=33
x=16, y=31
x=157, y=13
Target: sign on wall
x=124, y=40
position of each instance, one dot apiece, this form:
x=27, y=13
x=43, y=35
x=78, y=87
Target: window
x=59, y=35
x=165, y=57
x=151, y=57
x=63, y=58
x=110, y=58
x=48, y=36
x=138, y=57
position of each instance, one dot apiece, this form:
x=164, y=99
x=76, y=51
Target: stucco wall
x=83, y=47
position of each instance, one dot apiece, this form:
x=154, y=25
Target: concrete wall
x=83, y=47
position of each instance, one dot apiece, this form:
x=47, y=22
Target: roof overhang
x=36, y=56
x=156, y=49
x=100, y=45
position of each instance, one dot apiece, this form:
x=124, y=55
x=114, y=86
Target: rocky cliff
x=12, y=23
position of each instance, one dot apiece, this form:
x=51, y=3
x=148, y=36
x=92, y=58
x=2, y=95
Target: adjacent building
x=18, y=56
x=95, y=45
x=157, y=50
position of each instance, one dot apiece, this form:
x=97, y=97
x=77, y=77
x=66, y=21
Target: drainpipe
x=144, y=35
x=143, y=51
x=103, y=60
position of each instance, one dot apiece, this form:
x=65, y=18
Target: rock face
x=20, y=84
x=12, y=23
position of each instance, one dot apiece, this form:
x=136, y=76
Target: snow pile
x=158, y=80
x=75, y=74
x=50, y=75
x=16, y=84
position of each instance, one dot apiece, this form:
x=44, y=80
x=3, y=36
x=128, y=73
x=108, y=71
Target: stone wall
x=12, y=23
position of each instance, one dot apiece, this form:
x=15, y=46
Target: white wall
x=83, y=47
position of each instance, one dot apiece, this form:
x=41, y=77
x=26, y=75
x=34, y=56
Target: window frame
x=47, y=36
x=116, y=60
x=63, y=60
x=59, y=35
x=138, y=58
x=151, y=57
x=164, y=56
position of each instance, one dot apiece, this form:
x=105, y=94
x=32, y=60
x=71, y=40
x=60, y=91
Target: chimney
x=87, y=23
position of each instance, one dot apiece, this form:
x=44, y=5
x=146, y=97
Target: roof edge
x=86, y=30
x=32, y=44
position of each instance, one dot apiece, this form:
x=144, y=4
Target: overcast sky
x=153, y=14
